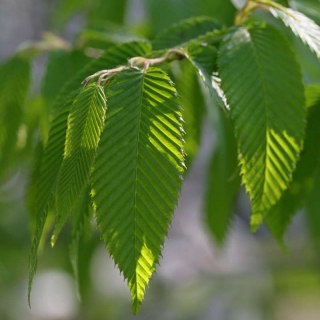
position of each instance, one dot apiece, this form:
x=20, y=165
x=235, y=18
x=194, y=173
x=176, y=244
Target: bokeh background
x=250, y=277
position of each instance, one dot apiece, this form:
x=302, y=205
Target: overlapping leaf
x=263, y=86
x=85, y=122
x=303, y=27
x=204, y=59
x=14, y=86
x=223, y=179
x=183, y=32
x=51, y=162
x=312, y=210
x=193, y=109
x=81, y=221
x=53, y=153
x=138, y=172
x=280, y=215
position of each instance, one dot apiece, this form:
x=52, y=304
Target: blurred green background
x=249, y=278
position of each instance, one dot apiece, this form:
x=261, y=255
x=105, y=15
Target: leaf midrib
x=136, y=183
x=265, y=103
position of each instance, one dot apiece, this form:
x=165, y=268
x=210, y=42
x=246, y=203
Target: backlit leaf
x=138, y=173
x=263, y=85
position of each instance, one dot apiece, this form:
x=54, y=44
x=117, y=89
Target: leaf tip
x=255, y=222
x=136, y=306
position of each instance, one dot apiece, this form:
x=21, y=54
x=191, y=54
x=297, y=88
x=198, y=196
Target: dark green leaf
x=81, y=221
x=106, y=37
x=313, y=212
x=102, y=10
x=183, y=32
x=62, y=65
x=14, y=86
x=223, y=180
x=65, y=9
x=51, y=162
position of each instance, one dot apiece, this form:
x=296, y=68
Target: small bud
x=137, y=62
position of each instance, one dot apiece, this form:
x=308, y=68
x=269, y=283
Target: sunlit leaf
x=303, y=27
x=138, y=173
x=263, y=85
x=280, y=215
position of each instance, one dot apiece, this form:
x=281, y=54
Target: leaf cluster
x=116, y=147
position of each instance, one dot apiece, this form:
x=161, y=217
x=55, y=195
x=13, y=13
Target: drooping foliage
x=121, y=130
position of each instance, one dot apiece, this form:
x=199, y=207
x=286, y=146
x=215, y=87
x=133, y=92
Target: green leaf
x=14, y=87
x=62, y=65
x=107, y=36
x=32, y=184
x=280, y=215
x=81, y=221
x=138, y=172
x=223, y=180
x=65, y=9
x=312, y=210
x=115, y=56
x=101, y=10
x=193, y=109
x=173, y=11
x=263, y=86
x=183, y=32
x=204, y=58
x=303, y=27
x=85, y=122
